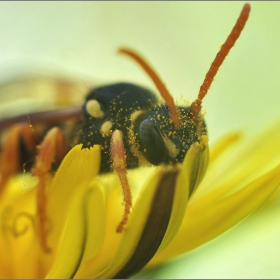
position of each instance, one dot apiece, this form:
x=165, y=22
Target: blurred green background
x=180, y=39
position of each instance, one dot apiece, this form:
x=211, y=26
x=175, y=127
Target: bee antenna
x=174, y=114
x=221, y=55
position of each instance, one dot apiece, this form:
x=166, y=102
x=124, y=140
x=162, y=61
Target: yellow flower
x=84, y=209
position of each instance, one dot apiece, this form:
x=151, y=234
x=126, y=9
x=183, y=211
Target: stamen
x=174, y=114
x=119, y=164
x=226, y=47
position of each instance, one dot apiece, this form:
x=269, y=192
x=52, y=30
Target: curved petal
x=235, y=207
x=138, y=232
x=83, y=234
x=77, y=170
x=210, y=215
x=18, y=237
x=244, y=163
x=192, y=172
x=223, y=144
x=156, y=216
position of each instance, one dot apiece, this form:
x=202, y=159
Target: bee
x=128, y=122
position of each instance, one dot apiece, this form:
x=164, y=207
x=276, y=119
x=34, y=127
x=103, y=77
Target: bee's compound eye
x=94, y=109
x=151, y=143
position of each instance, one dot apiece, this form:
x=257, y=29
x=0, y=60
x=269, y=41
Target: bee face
x=159, y=142
x=146, y=126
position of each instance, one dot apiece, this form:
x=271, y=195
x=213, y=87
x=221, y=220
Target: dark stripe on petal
x=196, y=165
x=83, y=244
x=155, y=228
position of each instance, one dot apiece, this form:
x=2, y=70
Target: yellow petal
x=77, y=170
x=191, y=173
x=244, y=163
x=223, y=144
x=137, y=222
x=212, y=214
x=156, y=216
x=96, y=222
x=114, y=198
x=83, y=234
x=18, y=237
x=229, y=211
